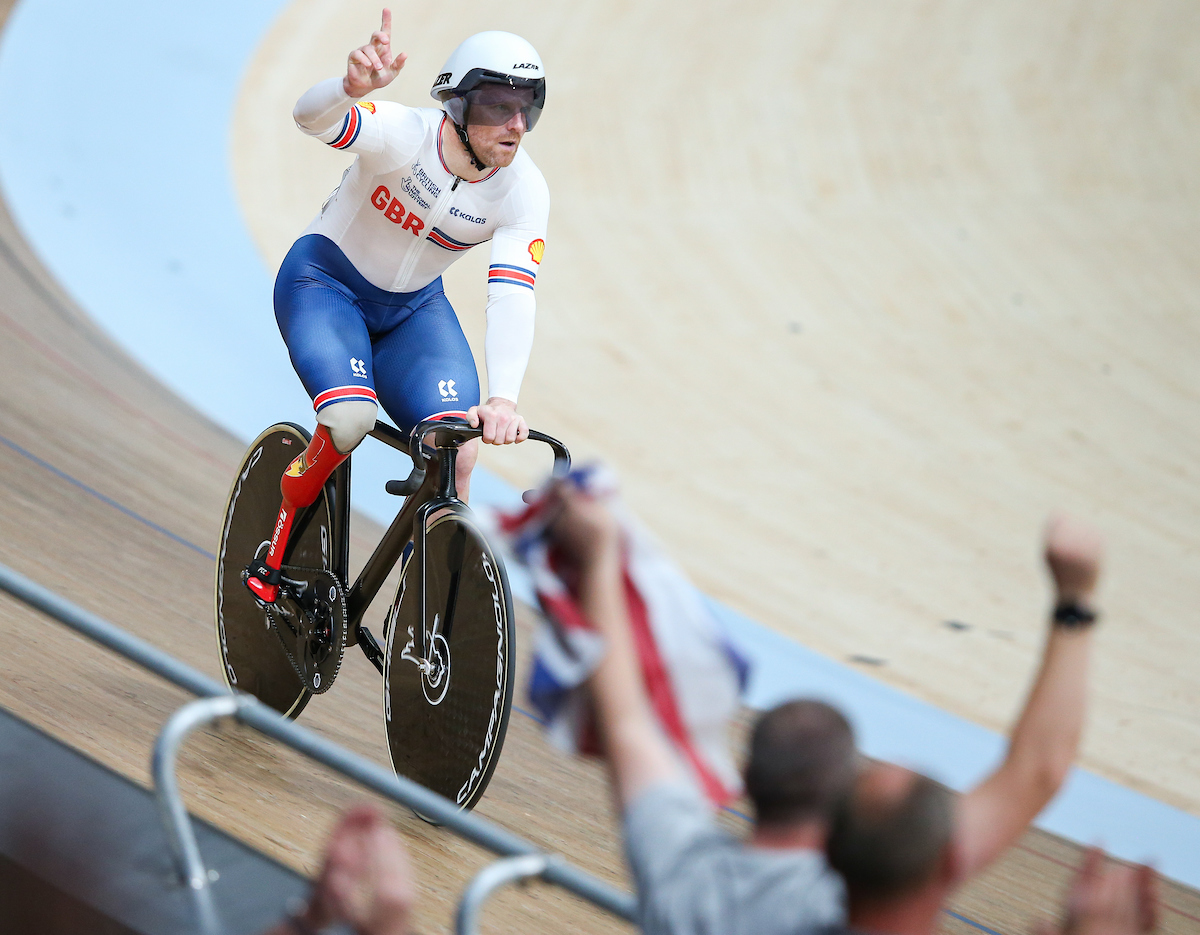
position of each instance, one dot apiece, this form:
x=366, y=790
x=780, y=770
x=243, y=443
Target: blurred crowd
x=839, y=843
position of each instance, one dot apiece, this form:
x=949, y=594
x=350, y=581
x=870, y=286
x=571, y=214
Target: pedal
x=264, y=594
x=370, y=648
x=262, y=581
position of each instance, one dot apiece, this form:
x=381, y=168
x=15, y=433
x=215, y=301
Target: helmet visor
x=495, y=105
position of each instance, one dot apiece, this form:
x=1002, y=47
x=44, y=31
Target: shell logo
x=367, y=105
x=536, y=249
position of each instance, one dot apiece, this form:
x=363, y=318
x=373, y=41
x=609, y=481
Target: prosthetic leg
x=340, y=427
x=300, y=486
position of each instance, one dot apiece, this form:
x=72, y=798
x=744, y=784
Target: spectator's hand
x=367, y=882
x=501, y=424
x=1073, y=554
x=1113, y=900
x=372, y=65
x=584, y=527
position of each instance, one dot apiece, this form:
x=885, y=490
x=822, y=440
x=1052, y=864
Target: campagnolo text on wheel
x=360, y=306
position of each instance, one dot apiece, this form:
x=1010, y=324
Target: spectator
x=366, y=882
x=903, y=843
x=690, y=875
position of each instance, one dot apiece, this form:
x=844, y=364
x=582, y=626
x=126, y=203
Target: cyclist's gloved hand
x=501, y=423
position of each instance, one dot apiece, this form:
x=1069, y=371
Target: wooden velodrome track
x=936, y=334
x=936, y=267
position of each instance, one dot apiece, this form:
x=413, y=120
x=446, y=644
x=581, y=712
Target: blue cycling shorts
x=349, y=339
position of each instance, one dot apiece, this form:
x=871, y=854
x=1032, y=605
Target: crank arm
x=370, y=648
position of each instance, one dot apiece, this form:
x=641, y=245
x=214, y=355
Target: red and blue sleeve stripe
x=446, y=242
x=340, y=394
x=514, y=275
x=351, y=125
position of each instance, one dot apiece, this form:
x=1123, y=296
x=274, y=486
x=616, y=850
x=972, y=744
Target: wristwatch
x=1073, y=615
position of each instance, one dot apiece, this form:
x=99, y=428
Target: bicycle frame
x=435, y=490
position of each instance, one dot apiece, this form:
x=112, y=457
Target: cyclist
x=359, y=297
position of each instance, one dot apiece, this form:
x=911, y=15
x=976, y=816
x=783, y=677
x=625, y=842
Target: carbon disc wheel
x=253, y=658
x=447, y=713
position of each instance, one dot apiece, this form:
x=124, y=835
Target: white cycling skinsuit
x=402, y=217
x=358, y=298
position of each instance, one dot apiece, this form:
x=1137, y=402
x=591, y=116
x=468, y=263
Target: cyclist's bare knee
x=348, y=422
x=468, y=454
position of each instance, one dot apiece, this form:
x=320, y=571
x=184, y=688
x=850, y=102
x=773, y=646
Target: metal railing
x=523, y=859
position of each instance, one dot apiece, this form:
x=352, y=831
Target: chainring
x=309, y=617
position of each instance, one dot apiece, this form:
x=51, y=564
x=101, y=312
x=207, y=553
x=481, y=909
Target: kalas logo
x=443, y=78
x=528, y=65
x=394, y=211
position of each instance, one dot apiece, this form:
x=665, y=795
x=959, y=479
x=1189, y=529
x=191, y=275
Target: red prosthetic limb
x=301, y=485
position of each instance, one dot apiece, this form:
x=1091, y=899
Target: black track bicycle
x=448, y=656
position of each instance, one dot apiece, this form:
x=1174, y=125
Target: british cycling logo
x=443, y=78
x=359, y=367
x=426, y=182
x=446, y=388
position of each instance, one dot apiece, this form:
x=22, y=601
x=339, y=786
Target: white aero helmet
x=490, y=61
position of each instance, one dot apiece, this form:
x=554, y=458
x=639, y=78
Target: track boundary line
x=57, y=472
x=971, y=922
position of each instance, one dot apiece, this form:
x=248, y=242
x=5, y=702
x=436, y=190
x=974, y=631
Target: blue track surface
x=128, y=200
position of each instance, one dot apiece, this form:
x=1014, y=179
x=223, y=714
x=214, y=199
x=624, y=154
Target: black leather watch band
x=1072, y=615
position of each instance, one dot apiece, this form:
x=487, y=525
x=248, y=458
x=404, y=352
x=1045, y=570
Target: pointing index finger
x=387, y=22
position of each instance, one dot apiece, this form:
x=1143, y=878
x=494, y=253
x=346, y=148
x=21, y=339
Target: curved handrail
x=490, y=879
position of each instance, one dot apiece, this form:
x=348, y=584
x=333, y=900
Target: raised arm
x=639, y=756
x=1046, y=737
x=327, y=105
